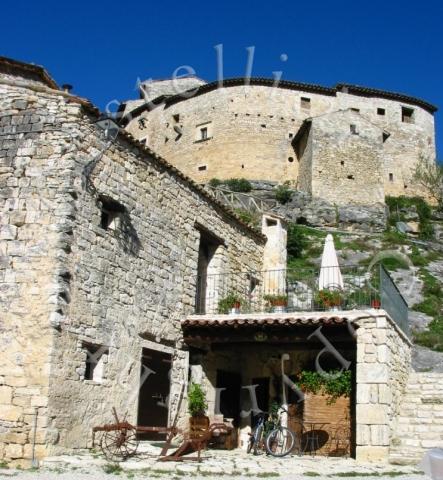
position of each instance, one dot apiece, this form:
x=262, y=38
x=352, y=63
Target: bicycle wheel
x=280, y=442
x=258, y=434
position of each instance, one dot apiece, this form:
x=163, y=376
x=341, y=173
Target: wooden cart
x=119, y=440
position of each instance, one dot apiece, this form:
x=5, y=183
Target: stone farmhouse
x=346, y=144
x=113, y=266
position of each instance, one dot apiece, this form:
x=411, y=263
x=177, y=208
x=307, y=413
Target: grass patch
x=4, y=465
x=392, y=238
x=247, y=217
x=112, y=468
x=421, y=259
x=267, y=474
x=311, y=474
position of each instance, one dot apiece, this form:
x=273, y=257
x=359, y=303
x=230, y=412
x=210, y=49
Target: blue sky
x=102, y=48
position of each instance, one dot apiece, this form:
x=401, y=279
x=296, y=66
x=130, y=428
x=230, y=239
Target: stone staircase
x=419, y=426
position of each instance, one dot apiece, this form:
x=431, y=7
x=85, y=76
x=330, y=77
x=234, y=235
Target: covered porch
x=242, y=361
x=250, y=363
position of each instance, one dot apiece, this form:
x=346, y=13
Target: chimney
x=67, y=88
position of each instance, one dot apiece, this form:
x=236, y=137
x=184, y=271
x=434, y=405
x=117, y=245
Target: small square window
x=111, y=213
x=407, y=115
x=381, y=111
x=305, y=102
x=96, y=357
x=353, y=128
x=204, y=133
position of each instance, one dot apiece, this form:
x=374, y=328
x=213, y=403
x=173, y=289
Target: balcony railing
x=294, y=290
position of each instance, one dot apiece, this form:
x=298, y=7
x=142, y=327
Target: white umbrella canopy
x=330, y=276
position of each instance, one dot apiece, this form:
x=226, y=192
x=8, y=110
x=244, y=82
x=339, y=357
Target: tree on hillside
x=429, y=174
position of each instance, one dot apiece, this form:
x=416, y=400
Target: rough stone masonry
x=72, y=283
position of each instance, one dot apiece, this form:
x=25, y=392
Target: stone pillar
x=275, y=254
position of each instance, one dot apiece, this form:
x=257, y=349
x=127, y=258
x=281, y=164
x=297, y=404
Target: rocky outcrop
x=319, y=213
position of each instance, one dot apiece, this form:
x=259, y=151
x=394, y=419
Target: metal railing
x=293, y=290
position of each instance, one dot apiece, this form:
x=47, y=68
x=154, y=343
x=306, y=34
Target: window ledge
x=203, y=140
x=93, y=382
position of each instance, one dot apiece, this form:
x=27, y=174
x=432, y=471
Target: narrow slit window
x=202, y=168
x=391, y=177
x=204, y=133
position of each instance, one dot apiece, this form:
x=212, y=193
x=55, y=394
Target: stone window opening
x=381, y=111
x=342, y=162
x=111, y=213
x=305, y=103
x=351, y=177
x=353, y=128
x=290, y=159
x=203, y=132
x=385, y=136
x=391, y=177
x=290, y=135
x=242, y=166
x=263, y=125
x=176, y=117
x=201, y=168
x=407, y=115
x=355, y=109
x=96, y=358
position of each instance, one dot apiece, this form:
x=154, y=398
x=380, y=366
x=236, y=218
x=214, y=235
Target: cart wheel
x=118, y=445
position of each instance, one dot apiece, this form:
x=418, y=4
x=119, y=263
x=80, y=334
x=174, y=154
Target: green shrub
x=296, y=241
x=238, y=185
x=197, y=404
x=283, y=194
x=335, y=384
x=215, y=182
x=246, y=217
x=426, y=230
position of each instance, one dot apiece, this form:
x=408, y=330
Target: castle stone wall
x=251, y=129
x=346, y=166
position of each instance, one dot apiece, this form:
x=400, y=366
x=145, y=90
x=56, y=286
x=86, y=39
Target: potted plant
x=375, y=303
x=278, y=303
x=329, y=299
x=197, y=406
x=230, y=304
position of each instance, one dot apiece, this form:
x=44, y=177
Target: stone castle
x=346, y=144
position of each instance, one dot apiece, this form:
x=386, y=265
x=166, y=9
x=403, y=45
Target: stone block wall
x=383, y=363
x=68, y=283
x=419, y=426
x=346, y=159
x=251, y=128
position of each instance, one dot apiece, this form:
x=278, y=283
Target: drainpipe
x=34, y=461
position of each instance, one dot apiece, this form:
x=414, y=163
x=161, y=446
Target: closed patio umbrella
x=330, y=276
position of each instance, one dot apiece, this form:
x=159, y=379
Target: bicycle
x=278, y=442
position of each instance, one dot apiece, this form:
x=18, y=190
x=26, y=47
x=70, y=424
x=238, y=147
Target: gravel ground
x=100, y=474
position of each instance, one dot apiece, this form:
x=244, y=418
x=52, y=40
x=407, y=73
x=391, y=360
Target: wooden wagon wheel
x=119, y=444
